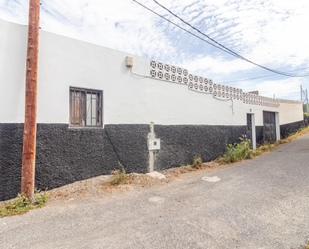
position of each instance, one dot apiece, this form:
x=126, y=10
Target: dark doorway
x=269, y=126
x=249, y=127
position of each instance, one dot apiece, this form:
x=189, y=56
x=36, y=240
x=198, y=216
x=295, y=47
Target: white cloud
x=269, y=33
x=281, y=88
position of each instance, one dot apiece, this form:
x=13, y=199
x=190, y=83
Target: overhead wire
x=264, y=76
x=219, y=46
x=178, y=26
x=232, y=52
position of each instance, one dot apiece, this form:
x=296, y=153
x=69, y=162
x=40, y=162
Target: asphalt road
x=260, y=203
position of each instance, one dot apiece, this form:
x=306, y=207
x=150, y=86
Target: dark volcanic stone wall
x=67, y=155
x=285, y=130
x=288, y=129
x=11, y=148
x=180, y=143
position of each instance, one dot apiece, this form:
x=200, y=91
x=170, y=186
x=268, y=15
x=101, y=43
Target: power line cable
x=233, y=53
x=264, y=76
x=221, y=47
x=180, y=26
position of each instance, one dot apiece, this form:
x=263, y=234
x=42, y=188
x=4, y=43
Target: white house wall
x=13, y=47
x=290, y=113
x=127, y=98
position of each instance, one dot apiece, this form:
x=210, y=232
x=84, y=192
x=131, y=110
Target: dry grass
x=267, y=147
x=183, y=169
x=120, y=177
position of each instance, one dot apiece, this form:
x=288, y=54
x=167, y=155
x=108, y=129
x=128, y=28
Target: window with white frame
x=85, y=107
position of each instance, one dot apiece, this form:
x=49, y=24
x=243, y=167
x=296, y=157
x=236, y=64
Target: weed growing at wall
x=120, y=176
x=241, y=151
x=266, y=147
x=197, y=162
x=237, y=151
x=22, y=204
x=40, y=198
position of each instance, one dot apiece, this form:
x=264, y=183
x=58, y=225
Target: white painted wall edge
x=128, y=99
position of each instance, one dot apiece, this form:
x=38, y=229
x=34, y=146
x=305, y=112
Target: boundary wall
x=192, y=115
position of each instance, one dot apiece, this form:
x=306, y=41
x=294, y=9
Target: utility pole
x=29, y=142
x=304, y=99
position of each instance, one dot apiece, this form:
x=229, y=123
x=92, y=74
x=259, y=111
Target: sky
x=269, y=33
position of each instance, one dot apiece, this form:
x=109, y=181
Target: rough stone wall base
x=288, y=129
x=180, y=143
x=67, y=155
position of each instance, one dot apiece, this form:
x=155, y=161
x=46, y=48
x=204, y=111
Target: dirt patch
x=99, y=187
